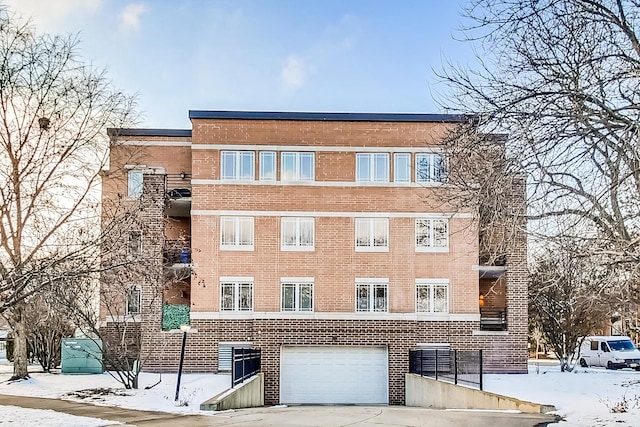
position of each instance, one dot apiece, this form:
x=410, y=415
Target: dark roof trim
x=148, y=132
x=342, y=117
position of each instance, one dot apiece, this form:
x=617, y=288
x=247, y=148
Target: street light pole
x=184, y=329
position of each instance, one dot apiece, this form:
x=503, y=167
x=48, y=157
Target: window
x=432, y=234
x=372, y=297
x=133, y=301
x=236, y=233
x=297, y=296
x=297, y=166
x=267, y=166
x=432, y=296
x=594, y=345
x=430, y=168
x=135, y=178
x=134, y=246
x=297, y=234
x=236, y=296
x=372, y=234
x=402, y=167
x=237, y=165
x=372, y=167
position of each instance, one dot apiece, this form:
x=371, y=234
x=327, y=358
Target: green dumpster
x=81, y=356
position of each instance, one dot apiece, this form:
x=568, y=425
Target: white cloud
x=53, y=15
x=130, y=16
x=295, y=72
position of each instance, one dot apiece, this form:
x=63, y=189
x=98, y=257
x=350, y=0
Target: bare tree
x=54, y=111
x=561, y=78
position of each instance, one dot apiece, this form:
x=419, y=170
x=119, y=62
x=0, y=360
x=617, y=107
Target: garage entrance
x=334, y=375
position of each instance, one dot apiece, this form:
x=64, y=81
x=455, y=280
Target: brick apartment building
x=325, y=239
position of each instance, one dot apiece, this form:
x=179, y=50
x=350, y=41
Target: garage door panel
x=334, y=374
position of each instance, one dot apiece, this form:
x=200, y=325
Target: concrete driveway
x=360, y=416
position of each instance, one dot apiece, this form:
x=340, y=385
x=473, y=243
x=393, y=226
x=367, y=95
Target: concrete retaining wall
x=429, y=393
x=249, y=394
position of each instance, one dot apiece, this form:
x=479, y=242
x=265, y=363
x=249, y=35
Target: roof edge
x=319, y=116
x=113, y=132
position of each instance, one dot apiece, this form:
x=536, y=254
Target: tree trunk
x=17, y=322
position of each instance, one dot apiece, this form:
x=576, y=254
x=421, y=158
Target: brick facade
x=334, y=200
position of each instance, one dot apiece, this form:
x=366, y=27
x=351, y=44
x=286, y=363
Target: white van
x=612, y=352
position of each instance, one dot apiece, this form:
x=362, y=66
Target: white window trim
x=370, y=158
x=297, y=176
x=297, y=246
x=431, y=236
x=432, y=169
x=238, y=163
x=274, y=155
x=372, y=283
x=296, y=299
x=371, y=247
x=431, y=283
x=236, y=295
x=236, y=246
x=395, y=168
x=135, y=194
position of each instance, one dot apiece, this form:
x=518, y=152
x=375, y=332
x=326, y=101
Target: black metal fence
x=245, y=362
x=454, y=366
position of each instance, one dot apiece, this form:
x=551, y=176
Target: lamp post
x=184, y=329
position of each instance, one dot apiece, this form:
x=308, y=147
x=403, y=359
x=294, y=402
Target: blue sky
x=276, y=55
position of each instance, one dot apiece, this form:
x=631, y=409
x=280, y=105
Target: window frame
x=372, y=286
x=236, y=286
x=273, y=158
x=297, y=295
x=370, y=160
x=135, y=188
x=406, y=170
x=371, y=247
x=297, y=165
x=297, y=246
x=430, y=285
x=434, y=175
x=236, y=174
x=134, y=248
x=431, y=238
x=237, y=233
x=133, y=291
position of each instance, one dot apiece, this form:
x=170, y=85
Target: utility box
x=81, y=356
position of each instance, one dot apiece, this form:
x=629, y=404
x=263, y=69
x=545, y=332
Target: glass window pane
x=440, y=301
x=228, y=227
x=381, y=167
x=363, y=172
x=380, y=301
x=362, y=298
x=268, y=165
x=439, y=171
x=227, y=297
x=288, y=297
x=246, y=165
x=246, y=231
x=306, y=297
x=401, y=167
x=306, y=167
x=135, y=183
x=228, y=165
x=440, y=233
x=306, y=232
x=422, y=233
x=245, y=296
x=423, y=167
x=380, y=232
x=289, y=232
x=422, y=298
x=288, y=167
x=362, y=232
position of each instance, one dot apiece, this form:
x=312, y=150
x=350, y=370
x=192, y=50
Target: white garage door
x=334, y=374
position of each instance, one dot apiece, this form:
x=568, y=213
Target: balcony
x=176, y=257
x=178, y=196
x=493, y=319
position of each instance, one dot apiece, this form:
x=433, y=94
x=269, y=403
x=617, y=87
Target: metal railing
x=177, y=181
x=453, y=366
x=245, y=362
x=493, y=319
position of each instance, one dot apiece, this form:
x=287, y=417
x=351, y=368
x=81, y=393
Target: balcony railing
x=493, y=319
x=176, y=252
x=178, y=197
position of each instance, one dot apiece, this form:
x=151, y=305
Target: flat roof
x=342, y=117
x=148, y=132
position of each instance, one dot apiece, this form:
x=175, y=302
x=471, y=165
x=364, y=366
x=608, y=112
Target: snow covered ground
x=585, y=397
